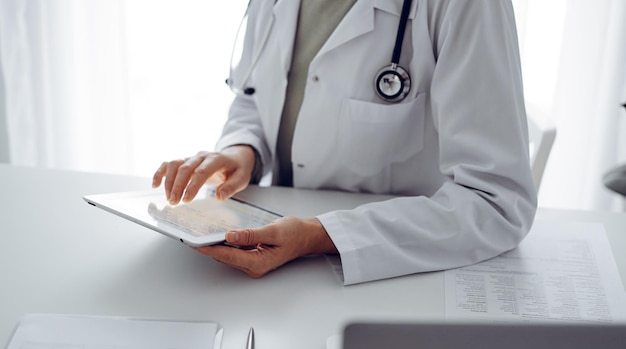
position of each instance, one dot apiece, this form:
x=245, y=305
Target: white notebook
x=43, y=331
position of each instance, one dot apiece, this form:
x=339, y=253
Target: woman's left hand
x=267, y=248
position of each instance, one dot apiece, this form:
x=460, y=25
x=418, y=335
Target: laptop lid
x=484, y=336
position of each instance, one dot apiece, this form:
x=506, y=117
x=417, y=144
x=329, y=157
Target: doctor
x=421, y=99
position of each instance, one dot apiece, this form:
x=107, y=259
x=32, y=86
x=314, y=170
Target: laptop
x=545, y=335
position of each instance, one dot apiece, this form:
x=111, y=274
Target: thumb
x=251, y=236
x=234, y=184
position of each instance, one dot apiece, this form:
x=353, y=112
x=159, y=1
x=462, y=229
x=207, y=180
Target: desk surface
x=59, y=255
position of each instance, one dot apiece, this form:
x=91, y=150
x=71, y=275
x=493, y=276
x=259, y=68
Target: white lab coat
x=455, y=150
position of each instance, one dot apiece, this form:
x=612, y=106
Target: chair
x=541, y=134
x=615, y=179
x=4, y=125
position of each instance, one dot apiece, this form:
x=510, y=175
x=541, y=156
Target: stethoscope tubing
x=394, y=68
x=255, y=57
x=404, y=18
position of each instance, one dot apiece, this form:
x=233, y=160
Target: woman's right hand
x=229, y=170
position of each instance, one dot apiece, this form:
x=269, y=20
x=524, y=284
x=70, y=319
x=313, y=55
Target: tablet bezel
x=134, y=206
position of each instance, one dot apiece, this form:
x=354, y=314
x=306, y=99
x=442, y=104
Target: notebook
x=59, y=331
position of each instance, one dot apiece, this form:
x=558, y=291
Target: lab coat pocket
x=373, y=136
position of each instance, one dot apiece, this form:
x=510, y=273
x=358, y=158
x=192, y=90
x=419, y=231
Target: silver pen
x=250, y=341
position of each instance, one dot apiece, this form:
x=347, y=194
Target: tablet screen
x=210, y=216
x=203, y=221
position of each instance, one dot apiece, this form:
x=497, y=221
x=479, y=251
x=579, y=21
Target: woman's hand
x=267, y=248
x=230, y=170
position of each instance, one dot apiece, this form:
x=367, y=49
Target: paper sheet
x=561, y=271
x=48, y=331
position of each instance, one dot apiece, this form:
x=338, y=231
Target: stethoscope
x=392, y=82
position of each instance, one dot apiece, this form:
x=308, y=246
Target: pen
x=250, y=341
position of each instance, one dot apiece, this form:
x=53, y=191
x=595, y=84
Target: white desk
x=59, y=255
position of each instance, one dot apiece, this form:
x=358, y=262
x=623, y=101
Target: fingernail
x=233, y=236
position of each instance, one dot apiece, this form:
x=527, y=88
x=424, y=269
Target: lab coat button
x=300, y=165
x=315, y=78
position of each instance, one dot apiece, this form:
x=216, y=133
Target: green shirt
x=317, y=20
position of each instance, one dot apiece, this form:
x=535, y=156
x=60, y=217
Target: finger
x=229, y=255
x=170, y=175
x=212, y=250
x=158, y=175
x=181, y=180
x=204, y=171
x=255, y=263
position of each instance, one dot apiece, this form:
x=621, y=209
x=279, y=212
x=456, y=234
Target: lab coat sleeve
x=488, y=202
x=244, y=127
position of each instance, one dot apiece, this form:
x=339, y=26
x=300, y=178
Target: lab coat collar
x=360, y=20
x=286, y=18
x=395, y=7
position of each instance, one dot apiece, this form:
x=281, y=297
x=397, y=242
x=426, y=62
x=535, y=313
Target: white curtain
x=65, y=81
x=121, y=85
x=114, y=86
x=573, y=54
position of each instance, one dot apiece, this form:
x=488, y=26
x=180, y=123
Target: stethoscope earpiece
x=392, y=83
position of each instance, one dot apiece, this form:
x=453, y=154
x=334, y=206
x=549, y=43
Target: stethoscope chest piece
x=392, y=83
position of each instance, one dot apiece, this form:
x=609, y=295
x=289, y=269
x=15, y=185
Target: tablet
x=201, y=222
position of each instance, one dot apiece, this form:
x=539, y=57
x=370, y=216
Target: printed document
x=560, y=271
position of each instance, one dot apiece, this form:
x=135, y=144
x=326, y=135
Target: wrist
x=252, y=158
x=320, y=241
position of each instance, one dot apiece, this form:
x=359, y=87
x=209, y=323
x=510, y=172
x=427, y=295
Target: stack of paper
x=562, y=271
